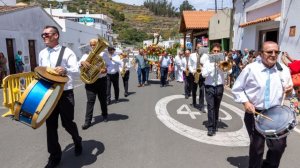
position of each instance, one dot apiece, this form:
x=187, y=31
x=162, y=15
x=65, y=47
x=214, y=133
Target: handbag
x=296, y=79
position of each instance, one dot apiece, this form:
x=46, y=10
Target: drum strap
x=61, y=53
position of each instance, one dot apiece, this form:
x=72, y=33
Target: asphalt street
x=151, y=128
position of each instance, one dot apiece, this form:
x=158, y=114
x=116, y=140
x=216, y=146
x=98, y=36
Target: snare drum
x=37, y=102
x=284, y=120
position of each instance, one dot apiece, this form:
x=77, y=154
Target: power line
x=4, y=3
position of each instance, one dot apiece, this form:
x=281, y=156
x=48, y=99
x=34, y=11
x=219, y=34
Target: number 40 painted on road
x=185, y=110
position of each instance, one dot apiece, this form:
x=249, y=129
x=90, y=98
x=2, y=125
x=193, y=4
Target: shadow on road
x=220, y=124
x=240, y=161
x=111, y=117
x=91, y=150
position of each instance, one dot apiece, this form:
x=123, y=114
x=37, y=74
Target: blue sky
x=198, y=4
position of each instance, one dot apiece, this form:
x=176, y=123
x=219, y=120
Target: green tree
x=186, y=6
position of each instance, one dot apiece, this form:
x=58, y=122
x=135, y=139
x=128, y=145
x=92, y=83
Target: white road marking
x=235, y=138
x=187, y=111
x=227, y=115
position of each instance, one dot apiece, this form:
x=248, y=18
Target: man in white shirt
x=214, y=88
x=124, y=68
x=195, y=63
x=178, y=69
x=98, y=88
x=65, y=106
x=164, y=64
x=187, y=74
x=260, y=86
x=113, y=68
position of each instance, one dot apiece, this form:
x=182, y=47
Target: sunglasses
x=216, y=50
x=43, y=35
x=271, y=52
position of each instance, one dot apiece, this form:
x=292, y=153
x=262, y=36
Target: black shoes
x=78, y=149
x=117, y=101
x=53, y=162
x=105, y=119
x=211, y=133
x=86, y=126
x=125, y=94
x=186, y=96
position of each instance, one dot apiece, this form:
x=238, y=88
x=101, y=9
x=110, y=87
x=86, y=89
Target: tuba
x=90, y=75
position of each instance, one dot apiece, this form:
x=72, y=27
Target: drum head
x=49, y=106
x=282, y=117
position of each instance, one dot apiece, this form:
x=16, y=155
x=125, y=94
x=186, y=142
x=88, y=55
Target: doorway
x=268, y=35
x=11, y=56
x=32, y=55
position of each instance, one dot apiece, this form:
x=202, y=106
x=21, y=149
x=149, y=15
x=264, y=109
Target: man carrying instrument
x=186, y=74
x=65, y=106
x=260, y=86
x=197, y=79
x=124, y=70
x=112, y=65
x=214, y=88
x=97, y=88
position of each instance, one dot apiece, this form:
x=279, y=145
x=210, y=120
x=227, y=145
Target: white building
x=256, y=21
x=98, y=21
x=22, y=31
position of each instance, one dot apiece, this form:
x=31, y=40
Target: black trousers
x=125, y=81
x=64, y=108
x=257, y=146
x=187, y=83
x=114, y=79
x=92, y=90
x=213, y=96
x=201, y=90
x=163, y=75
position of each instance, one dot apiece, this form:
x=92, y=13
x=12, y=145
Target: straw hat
x=49, y=74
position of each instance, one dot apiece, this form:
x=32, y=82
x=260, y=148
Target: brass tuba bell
x=90, y=75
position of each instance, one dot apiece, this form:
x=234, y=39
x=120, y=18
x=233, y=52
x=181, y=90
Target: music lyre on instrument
x=40, y=97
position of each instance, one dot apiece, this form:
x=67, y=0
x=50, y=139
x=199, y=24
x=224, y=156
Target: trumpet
x=225, y=66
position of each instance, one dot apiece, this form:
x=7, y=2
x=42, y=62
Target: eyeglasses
x=43, y=35
x=271, y=52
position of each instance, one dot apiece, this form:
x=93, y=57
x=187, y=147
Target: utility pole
x=216, y=8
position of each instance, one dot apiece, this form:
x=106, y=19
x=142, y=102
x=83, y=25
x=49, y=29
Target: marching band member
x=260, y=86
x=164, y=61
x=124, y=70
x=214, y=88
x=178, y=69
x=65, y=106
x=186, y=74
x=113, y=65
x=97, y=88
x=195, y=66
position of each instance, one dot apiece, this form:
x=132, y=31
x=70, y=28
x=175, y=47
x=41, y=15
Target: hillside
x=135, y=18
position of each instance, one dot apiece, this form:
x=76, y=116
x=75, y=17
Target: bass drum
x=284, y=120
x=37, y=102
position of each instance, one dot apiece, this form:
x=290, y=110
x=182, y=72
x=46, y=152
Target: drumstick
x=263, y=115
x=283, y=97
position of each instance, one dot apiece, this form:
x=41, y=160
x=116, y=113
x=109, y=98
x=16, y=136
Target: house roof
x=195, y=20
x=9, y=9
x=261, y=20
